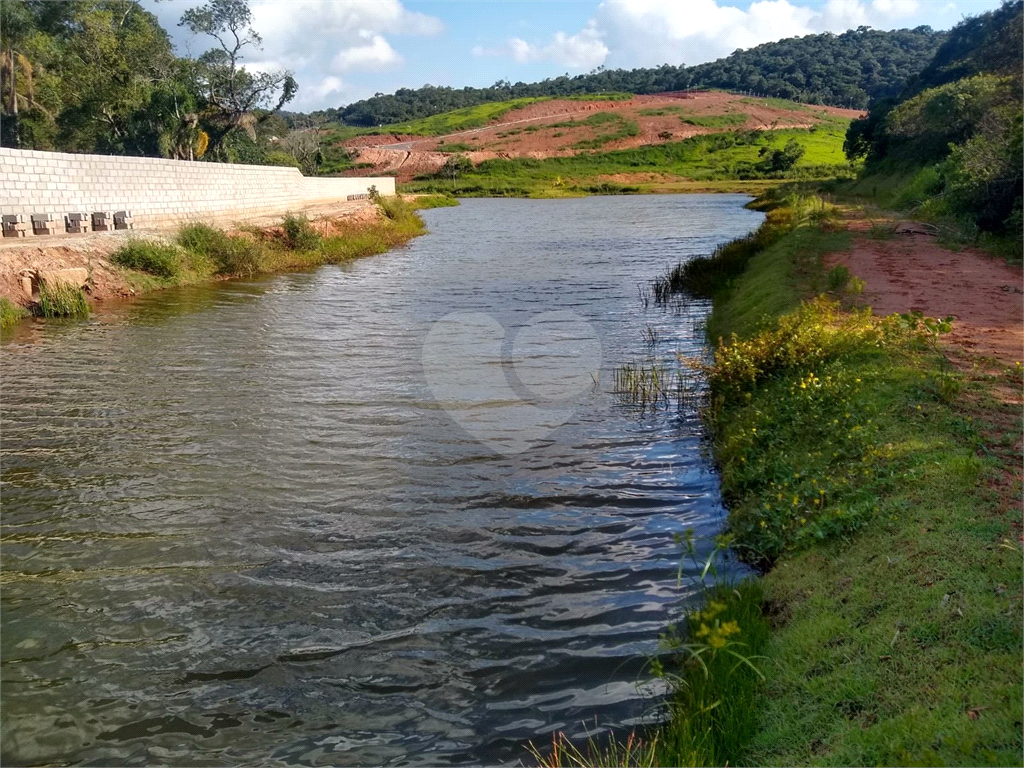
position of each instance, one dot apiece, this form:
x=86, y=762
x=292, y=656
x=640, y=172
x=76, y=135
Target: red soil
x=913, y=273
x=530, y=131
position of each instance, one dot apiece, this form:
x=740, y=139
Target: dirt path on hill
x=910, y=271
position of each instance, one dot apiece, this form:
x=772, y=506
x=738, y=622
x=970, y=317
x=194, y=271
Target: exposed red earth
x=538, y=130
x=912, y=272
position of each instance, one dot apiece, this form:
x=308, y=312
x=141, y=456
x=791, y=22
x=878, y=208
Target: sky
x=341, y=51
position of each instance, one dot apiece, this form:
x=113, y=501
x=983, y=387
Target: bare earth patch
x=911, y=272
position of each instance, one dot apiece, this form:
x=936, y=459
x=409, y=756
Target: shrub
x=155, y=258
x=231, y=255
x=299, y=233
x=62, y=300
x=837, y=279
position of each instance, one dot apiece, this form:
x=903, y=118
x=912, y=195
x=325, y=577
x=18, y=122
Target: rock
x=77, y=277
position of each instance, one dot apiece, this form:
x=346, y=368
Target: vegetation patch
x=10, y=314
x=456, y=146
x=155, y=258
x=716, y=121
x=852, y=461
x=61, y=301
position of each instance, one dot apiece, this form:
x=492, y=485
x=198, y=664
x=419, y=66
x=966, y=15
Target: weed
x=299, y=233
x=155, y=258
x=231, y=255
x=838, y=278
x=61, y=300
x=10, y=313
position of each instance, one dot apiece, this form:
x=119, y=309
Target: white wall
x=162, y=192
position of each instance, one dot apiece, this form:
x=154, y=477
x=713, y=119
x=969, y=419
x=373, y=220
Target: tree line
x=848, y=70
x=959, y=124
x=102, y=76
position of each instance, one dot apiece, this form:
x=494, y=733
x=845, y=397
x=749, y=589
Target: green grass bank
x=201, y=252
x=866, y=475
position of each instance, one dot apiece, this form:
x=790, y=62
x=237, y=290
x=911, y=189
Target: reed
x=10, y=313
x=62, y=300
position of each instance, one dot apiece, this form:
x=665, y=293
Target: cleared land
x=552, y=128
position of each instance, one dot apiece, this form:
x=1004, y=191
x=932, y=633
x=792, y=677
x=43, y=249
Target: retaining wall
x=162, y=192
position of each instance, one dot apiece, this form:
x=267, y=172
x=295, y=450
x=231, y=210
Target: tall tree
x=236, y=98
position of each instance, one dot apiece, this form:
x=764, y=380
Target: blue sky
x=345, y=50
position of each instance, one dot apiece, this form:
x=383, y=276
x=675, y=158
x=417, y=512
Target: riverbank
x=119, y=265
x=872, y=466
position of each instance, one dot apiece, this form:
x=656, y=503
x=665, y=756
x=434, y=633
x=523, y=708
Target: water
x=240, y=527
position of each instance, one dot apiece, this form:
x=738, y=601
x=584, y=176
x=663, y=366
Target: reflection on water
x=239, y=526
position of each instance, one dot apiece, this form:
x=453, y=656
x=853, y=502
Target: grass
x=423, y=202
x=202, y=252
x=771, y=101
x=61, y=301
x=716, y=121
x=457, y=146
x=707, y=159
x=460, y=119
x=866, y=470
x=11, y=314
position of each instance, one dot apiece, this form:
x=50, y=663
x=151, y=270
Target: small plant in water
x=62, y=300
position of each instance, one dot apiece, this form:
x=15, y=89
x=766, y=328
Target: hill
x=949, y=147
x=848, y=70
x=561, y=146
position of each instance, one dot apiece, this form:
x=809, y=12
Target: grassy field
x=706, y=158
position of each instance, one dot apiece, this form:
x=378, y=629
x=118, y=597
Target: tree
x=779, y=160
x=236, y=99
x=15, y=27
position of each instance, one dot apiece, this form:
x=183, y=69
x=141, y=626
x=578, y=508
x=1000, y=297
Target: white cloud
x=633, y=33
x=316, y=39
x=375, y=54
x=584, y=50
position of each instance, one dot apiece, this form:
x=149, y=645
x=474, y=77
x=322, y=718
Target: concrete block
x=123, y=220
x=76, y=223
x=14, y=225
x=102, y=221
x=44, y=224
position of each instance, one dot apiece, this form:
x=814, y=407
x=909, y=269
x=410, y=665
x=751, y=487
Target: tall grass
x=155, y=258
x=62, y=301
x=230, y=254
x=10, y=313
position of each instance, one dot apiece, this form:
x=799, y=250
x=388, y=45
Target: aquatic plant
x=61, y=300
x=10, y=313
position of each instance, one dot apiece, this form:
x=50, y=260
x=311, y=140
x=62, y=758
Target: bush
x=299, y=233
x=61, y=300
x=230, y=255
x=837, y=279
x=155, y=258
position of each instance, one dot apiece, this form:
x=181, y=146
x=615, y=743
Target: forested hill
x=848, y=70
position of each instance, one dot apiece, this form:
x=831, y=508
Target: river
x=387, y=512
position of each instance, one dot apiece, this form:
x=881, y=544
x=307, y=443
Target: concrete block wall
x=162, y=192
